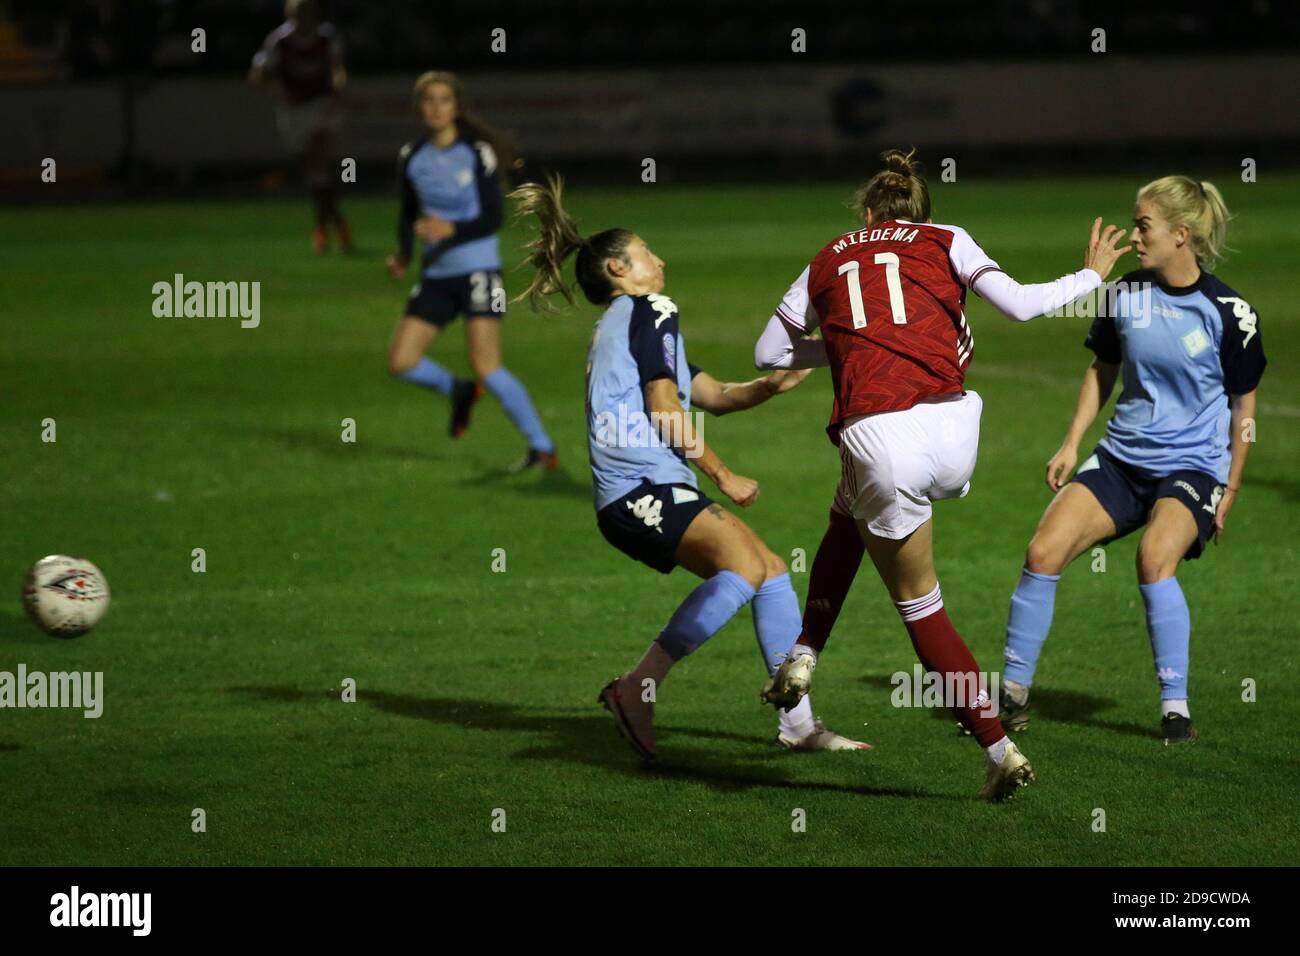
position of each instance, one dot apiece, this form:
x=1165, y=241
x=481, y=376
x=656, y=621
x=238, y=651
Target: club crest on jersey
x=670, y=350
x=1195, y=342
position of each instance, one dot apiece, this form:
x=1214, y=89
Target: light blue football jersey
x=457, y=184
x=635, y=341
x=1182, y=353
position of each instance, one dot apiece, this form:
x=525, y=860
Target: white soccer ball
x=65, y=596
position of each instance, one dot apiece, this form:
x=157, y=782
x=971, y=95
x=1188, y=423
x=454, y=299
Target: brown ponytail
x=557, y=239
x=896, y=192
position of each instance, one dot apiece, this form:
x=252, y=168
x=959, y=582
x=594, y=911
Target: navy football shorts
x=439, y=301
x=1128, y=494
x=648, y=522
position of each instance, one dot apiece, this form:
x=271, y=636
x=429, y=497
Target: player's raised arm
x=719, y=398
x=784, y=343
x=1023, y=302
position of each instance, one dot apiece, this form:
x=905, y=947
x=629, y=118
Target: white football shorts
x=895, y=464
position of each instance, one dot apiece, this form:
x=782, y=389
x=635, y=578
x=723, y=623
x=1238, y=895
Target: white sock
x=998, y=750
x=1175, y=707
x=797, y=722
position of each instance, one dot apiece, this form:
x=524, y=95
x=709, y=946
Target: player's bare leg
x=1170, y=531
x=906, y=566
x=411, y=339
x=717, y=546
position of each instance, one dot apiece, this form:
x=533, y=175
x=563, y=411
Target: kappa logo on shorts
x=1213, y=506
x=648, y=509
x=682, y=495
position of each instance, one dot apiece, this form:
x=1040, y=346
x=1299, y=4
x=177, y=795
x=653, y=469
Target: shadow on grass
x=590, y=739
x=326, y=441
x=1066, y=706
x=547, y=484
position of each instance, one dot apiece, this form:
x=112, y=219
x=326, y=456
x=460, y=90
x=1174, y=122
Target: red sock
x=942, y=651
x=833, y=569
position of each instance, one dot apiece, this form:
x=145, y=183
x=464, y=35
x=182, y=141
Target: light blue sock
x=429, y=374
x=512, y=395
x=1028, y=622
x=711, y=605
x=777, y=620
x=1169, y=623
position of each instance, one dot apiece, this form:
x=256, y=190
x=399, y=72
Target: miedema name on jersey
x=879, y=234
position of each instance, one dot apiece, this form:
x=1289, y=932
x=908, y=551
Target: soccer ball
x=65, y=596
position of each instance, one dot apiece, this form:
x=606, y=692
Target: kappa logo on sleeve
x=1246, y=318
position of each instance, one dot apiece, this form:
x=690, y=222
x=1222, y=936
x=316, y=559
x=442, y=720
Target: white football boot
x=821, y=739
x=1004, y=778
x=792, y=680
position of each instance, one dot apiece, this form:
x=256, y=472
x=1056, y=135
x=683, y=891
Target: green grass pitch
x=475, y=690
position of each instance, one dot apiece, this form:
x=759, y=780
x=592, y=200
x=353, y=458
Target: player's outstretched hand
x=1061, y=466
x=743, y=491
x=1102, y=254
x=785, y=379
x=1221, y=516
x=396, y=266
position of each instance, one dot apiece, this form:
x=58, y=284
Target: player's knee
x=399, y=364
x=1044, y=556
x=483, y=367
x=1153, y=566
x=773, y=566
x=750, y=566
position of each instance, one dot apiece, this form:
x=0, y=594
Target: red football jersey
x=302, y=62
x=889, y=299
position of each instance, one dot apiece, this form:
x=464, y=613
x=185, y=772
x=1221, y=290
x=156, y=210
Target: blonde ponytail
x=1199, y=206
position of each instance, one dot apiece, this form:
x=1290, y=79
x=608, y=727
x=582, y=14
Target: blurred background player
x=450, y=186
x=1175, y=450
x=648, y=503
x=301, y=65
x=888, y=299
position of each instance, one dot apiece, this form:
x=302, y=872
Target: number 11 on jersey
x=890, y=261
